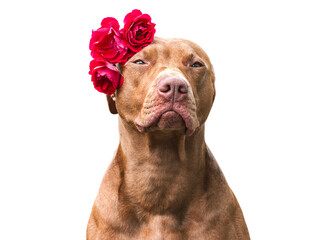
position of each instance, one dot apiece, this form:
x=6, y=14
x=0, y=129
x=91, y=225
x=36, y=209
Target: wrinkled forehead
x=174, y=50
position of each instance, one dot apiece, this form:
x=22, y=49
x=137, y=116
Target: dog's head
x=168, y=86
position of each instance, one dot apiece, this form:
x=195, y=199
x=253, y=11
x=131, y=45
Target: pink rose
x=105, y=76
x=107, y=44
x=138, y=30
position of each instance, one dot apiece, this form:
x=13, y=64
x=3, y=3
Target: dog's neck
x=160, y=170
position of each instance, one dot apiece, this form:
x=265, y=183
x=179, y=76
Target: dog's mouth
x=168, y=120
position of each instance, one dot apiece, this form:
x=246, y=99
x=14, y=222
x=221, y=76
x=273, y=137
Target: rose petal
x=110, y=22
x=94, y=64
x=131, y=16
x=120, y=82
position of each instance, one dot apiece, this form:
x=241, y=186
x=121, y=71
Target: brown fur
x=164, y=183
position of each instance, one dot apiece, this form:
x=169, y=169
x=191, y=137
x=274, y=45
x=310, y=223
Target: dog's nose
x=172, y=87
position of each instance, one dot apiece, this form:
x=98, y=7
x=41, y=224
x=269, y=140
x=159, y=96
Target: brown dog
x=163, y=182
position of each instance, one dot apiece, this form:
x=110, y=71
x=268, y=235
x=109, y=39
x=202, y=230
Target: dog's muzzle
x=169, y=105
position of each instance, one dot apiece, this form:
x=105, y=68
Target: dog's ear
x=213, y=79
x=111, y=102
x=119, y=67
x=112, y=105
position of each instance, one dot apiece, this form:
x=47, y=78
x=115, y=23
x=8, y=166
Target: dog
x=164, y=183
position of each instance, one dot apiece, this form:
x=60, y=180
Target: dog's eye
x=139, y=61
x=197, y=64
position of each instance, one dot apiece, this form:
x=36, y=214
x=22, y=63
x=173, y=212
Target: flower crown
x=109, y=45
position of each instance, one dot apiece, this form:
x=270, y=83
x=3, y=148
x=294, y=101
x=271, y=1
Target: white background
x=57, y=135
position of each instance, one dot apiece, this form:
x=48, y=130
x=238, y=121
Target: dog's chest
x=161, y=227
x=169, y=228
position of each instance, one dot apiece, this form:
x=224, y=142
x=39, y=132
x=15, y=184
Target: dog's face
x=168, y=86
